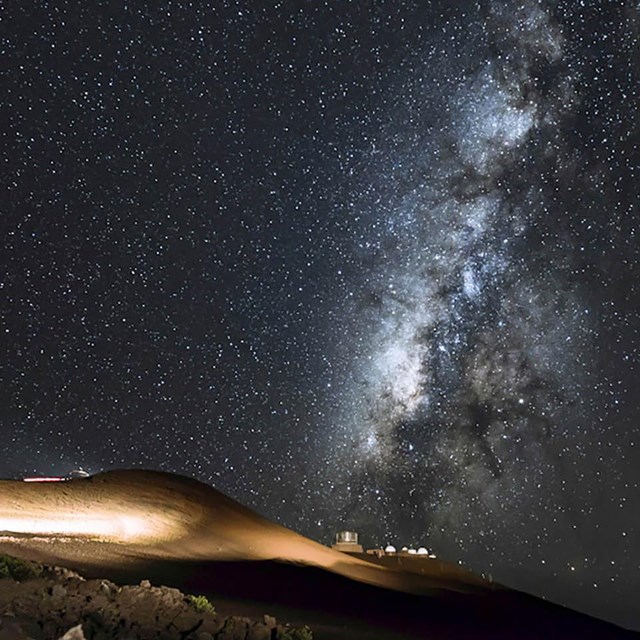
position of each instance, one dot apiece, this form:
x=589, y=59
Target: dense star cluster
x=367, y=266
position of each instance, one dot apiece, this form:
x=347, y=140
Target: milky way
x=470, y=357
x=359, y=267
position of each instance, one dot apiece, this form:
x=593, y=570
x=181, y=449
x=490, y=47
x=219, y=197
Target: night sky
x=367, y=265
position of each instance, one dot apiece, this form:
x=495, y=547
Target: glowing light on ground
x=108, y=526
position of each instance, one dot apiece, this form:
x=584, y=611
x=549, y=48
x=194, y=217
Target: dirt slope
x=133, y=525
x=121, y=516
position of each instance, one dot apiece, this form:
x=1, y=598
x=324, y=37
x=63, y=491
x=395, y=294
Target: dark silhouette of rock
x=60, y=604
x=234, y=629
x=259, y=631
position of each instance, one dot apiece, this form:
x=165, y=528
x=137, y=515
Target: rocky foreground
x=38, y=602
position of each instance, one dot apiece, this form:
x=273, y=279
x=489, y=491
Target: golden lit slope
x=123, y=517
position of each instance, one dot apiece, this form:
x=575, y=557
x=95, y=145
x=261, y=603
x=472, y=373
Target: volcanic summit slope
x=132, y=525
x=121, y=517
